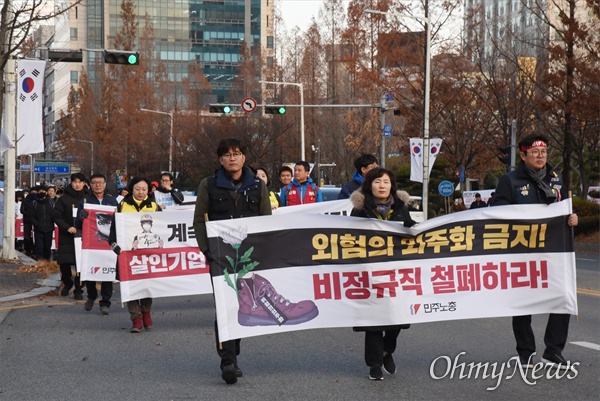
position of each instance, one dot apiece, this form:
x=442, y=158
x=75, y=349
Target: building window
x=73, y=33
x=269, y=61
x=270, y=42
x=74, y=77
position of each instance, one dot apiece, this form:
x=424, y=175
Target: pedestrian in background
x=274, y=198
x=166, y=194
x=363, y=164
x=286, y=174
x=379, y=198
x=43, y=224
x=536, y=182
x=478, y=203
x=302, y=190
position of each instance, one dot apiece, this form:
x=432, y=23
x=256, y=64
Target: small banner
x=97, y=262
x=30, y=137
x=275, y=274
x=160, y=256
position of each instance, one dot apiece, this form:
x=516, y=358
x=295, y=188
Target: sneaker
x=526, y=362
x=104, y=310
x=229, y=374
x=388, y=364
x=89, y=304
x=556, y=359
x=376, y=373
x=77, y=296
x=261, y=305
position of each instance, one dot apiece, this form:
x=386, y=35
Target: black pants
x=27, y=239
x=66, y=277
x=555, y=337
x=106, y=290
x=43, y=245
x=378, y=342
x=227, y=350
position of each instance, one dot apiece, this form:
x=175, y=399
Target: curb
x=587, y=247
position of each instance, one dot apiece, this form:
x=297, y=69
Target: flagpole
x=10, y=116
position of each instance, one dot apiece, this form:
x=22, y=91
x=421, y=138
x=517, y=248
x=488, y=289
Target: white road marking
x=586, y=345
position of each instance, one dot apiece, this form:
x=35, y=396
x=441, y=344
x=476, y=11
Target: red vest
x=293, y=195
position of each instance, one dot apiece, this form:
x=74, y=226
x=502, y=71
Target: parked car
x=330, y=192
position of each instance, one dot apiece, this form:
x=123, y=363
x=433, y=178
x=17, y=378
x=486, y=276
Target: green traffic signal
x=226, y=109
x=132, y=59
x=275, y=110
x=220, y=108
x=125, y=57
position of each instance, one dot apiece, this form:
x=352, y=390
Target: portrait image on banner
x=160, y=256
x=97, y=260
x=30, y=137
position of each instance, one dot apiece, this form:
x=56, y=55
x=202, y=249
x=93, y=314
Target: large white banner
x=416, y=156
x=160, y=256
x=274, y=274
x=30, y=137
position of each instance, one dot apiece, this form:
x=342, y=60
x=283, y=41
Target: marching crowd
x=236, y=190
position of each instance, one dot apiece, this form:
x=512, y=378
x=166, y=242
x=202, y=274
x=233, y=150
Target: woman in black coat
x=378, y=198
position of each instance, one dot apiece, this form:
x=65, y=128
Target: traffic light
x=275, y=110
x=65, y=56
x=220, y=108
x=125, y=57
x=505, y=155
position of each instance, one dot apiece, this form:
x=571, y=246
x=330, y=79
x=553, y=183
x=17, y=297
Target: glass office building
x=209, y=33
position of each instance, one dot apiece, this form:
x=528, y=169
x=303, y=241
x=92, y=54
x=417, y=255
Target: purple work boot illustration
x=261, y=305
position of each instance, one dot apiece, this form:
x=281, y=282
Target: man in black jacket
x=536, y=182
x=63, y=217
x=239, y=194
x=26, y=210
x=43, y=224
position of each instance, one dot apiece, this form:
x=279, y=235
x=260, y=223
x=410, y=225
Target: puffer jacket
x=364, y=206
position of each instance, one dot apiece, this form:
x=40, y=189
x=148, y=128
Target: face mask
x=41, y=195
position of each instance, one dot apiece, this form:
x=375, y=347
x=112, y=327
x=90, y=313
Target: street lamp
x=170, y=114
x=426, y=145
x=299, y=85
x=91, y=143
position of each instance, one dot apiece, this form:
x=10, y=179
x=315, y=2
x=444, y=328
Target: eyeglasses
x=537, y=152
x=234, y=155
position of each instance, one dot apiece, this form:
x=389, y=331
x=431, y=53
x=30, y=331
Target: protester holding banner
x=232, y=192
x=138, y=201
x=363, y=164
x=379, y=198
x=274, y=198
x=63, y=217
x=535, y=181
x=97, y=197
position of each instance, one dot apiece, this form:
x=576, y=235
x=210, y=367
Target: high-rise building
x=208, y=33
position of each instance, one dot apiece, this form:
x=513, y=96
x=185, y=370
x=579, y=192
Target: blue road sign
x=387, y=130
x=446, y=188
x=52, y=168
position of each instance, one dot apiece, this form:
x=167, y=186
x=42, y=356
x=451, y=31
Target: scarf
x=383, y=208
x=538, y=177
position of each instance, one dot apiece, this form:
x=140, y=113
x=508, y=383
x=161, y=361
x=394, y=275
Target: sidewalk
x=15, y=285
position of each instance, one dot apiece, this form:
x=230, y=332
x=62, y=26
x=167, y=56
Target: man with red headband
x=535, y=181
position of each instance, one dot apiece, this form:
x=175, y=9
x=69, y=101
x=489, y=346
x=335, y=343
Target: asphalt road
x=50, y=348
